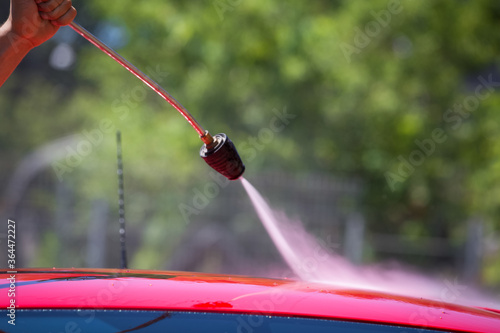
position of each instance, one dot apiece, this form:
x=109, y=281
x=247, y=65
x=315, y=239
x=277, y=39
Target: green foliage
x=231, y=65
x=49, y=250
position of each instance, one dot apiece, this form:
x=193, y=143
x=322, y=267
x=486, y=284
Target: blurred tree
x=400, y=94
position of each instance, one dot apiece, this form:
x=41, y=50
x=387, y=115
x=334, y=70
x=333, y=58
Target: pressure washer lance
x=218, y=151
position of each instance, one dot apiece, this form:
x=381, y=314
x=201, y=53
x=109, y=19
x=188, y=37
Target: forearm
x=12, y=50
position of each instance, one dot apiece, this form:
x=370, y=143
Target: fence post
x=63, y=221
x=354, y=237
x=473, y=250
x=96, y=237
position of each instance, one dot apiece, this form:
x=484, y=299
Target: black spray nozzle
x=222, y=156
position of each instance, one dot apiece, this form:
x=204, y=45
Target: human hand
x=38, y=20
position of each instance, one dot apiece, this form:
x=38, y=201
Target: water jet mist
x=311, y=260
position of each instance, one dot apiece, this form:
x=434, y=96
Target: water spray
x=218, y=151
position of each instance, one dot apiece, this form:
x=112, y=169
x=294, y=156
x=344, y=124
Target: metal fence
x=227, y=237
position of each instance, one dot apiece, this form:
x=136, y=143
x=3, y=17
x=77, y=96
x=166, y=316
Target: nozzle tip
x=223, y=157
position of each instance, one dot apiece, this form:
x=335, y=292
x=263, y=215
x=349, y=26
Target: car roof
x=186, y=291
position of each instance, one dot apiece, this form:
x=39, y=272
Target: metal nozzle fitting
x=223, y=157
x=207, y=139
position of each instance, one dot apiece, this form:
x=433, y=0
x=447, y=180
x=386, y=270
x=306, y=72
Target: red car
x=114, y=300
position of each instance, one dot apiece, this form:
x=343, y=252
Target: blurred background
x=376, y=123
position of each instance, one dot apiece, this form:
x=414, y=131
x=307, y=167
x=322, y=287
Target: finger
x=65, y=19
x=49, y=5
x=58, y=11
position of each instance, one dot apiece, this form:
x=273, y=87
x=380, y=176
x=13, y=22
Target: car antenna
x=121, y=201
